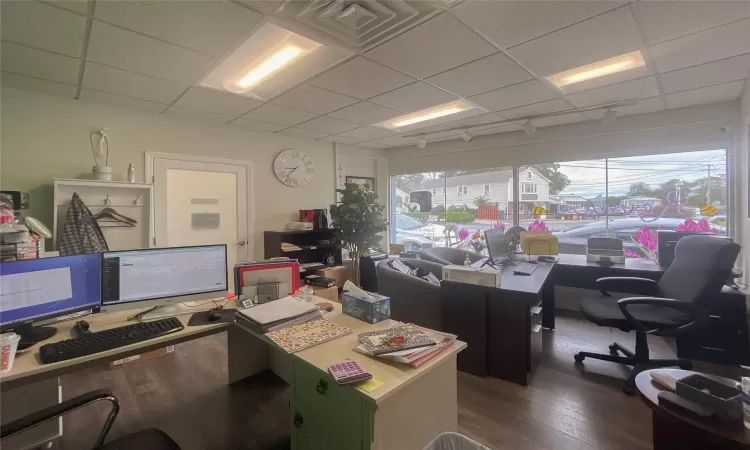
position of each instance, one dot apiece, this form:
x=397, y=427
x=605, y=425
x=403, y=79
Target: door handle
x=322, y=387
x=241, y=243
x=298, y=420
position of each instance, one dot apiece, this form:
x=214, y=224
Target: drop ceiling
x=392, y=57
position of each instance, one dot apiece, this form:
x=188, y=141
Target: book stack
x=406, y=344
x=278, y=314
x=287, y=247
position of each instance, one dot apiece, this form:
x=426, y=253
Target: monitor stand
x=488, y=262
x=161, y=312
x=31, y=335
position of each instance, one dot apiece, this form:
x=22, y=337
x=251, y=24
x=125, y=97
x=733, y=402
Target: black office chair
x=670, y=307
x=151, y=439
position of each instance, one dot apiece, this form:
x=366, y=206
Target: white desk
x=411, y=408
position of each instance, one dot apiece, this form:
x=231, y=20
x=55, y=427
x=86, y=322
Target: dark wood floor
x=566, y=406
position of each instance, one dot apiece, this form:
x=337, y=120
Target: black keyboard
x=524, y=269
x=90, y=343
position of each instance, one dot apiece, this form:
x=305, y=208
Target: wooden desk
x=322, y=414
x=678, y=429
x=501, y=325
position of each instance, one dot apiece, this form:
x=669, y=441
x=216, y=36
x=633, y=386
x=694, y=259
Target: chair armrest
x=698, y=314
x=54, y=411
x=629, y=285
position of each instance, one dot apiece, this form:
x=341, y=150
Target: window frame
x=534, y=191
x=463, y=190
x=487, y=189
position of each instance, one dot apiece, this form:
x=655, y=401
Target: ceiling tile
x=365, y=113
x=340, y=139
x=668, y=20
x=487, y=74
x=176, y=111
x=257, y=125
x=361, y=78
x=279, y=115
x=106, y=98
x=136, y=53
x=301, y=133
x=730, y=69
x=79, y=6
x=510, y=23
x=643, y=88
x=391, y=141
x=206, y=26
x=512, y=96
x=710, y=94
x=451, y=122
x=560, y=120
x=549, y=106
x=413, y=97
x=711, y=45
x=328, y=125
x=436, y=45
x=37, y=63
x=496, y=130
x=602, y=37
x=313, y=99
x=210, y=100
x=366, y=134
x=129, y=84
x=42, y=26
x=32, y=84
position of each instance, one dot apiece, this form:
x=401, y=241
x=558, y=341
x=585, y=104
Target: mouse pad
x=201, y=318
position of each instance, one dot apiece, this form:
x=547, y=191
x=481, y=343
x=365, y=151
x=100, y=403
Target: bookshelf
x=311, y=249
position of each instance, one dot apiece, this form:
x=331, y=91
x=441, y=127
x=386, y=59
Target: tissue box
x=369, y=310
x=486, y=276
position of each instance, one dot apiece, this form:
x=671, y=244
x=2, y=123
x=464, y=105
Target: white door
x=202, y=203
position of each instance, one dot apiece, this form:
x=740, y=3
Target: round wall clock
x=294, y=168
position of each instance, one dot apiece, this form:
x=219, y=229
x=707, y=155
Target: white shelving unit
x=134, y=200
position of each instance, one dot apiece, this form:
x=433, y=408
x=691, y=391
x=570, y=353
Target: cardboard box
x=369, y=310
x=328, y=293
x=338, y=273
x=153, y=354
x=486, y=276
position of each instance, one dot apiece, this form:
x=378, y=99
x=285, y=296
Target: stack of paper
x=414, y=356
x=278, y=314
x=287, y=247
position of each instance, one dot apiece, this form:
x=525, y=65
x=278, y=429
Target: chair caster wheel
x=613, y=349
x=579, y=358
x=629, y=390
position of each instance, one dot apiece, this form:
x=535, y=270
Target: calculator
x=348, y=372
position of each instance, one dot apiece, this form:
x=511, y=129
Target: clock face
x=294, y=168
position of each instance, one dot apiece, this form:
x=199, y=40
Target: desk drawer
x=324, y=414
x=535, y=337
x=723, y=341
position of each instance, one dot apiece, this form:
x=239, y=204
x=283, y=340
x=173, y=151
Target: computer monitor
x=162, y=277
x=36, y=289
x=497, y=246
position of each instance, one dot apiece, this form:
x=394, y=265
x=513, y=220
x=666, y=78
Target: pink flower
x=463, y=233
x=538, y=225
x=632, y=254
x=700, y=226
x=500, y=225
x=646, y=239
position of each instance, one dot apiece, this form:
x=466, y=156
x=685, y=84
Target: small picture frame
x=248, y=303
x=365, y=183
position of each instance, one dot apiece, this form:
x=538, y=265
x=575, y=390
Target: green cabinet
x=326, y=416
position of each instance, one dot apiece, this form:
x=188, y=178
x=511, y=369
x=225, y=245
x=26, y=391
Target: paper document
x=20, y=290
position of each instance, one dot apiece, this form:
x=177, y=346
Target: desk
x=501, y=325
x=677, y=429
x=725, y=340
x=322, y=414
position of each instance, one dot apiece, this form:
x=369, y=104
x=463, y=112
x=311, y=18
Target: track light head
x=610, y=118
x=529, y=128
x=466, y=136
x=422, y=143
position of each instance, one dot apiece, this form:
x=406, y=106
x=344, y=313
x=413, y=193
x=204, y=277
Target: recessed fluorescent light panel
x=428, y=114
x=599, y=69
x=264, y=55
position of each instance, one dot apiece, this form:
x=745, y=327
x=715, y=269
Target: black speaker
x=423, y=199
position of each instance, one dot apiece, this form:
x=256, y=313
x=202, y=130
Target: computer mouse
x=214, y=315
x=81, y=327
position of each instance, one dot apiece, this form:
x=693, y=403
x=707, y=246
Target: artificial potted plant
x=358, y=219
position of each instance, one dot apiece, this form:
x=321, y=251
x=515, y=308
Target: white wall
x=744, y=162
x=44, y=137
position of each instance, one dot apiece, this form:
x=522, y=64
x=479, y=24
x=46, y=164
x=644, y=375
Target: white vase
x=102, y=173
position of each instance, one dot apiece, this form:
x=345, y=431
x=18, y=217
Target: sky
x=588, y=177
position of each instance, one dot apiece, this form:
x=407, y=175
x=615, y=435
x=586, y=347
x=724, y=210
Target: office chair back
x=702, y=265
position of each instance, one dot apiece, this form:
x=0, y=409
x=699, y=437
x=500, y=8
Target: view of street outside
x=613, y=197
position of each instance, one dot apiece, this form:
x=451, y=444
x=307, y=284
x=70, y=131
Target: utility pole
x=708, y=186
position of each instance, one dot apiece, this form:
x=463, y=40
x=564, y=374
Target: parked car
x=574, y=240
x=416, y=235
